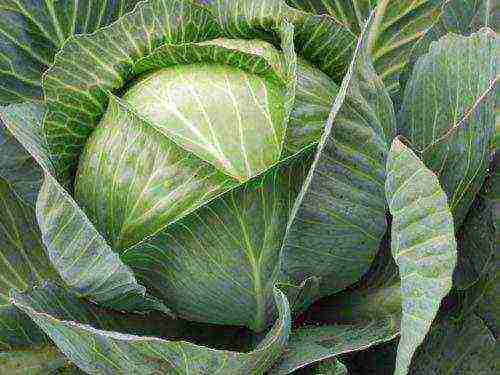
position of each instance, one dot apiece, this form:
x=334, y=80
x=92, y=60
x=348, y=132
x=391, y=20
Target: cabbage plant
x=247, y=187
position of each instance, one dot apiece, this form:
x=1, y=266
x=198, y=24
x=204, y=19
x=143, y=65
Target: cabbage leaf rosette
x=184, y=178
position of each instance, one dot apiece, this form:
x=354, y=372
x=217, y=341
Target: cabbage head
x=246, y=187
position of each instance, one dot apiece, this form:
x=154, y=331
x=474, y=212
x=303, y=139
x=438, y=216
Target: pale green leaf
x=339, y=217
x=95, y=350
x=458, y=348
x=32, y=31
x=223, y=100
x=89, y=65
x=133, y=181
x=423, y=245
x=448, y=113
x=219, y=263
x=81, y=255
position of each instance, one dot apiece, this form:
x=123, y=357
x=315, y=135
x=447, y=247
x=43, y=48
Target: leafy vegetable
x=247, y=187
x=423, y=245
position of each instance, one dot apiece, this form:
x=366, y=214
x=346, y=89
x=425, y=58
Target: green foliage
x=248, y=187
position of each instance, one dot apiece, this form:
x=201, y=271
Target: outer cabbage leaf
x=360, y=317
x=459, y=17
x=457, y=347
x=448, y=113
x=398, y=25
x=74, y=328
x=24, y=122
x=338, y=219
x=313, y=344
x=18, y=167
x=81, y=255
x=22, y=263
x=20, y=137
x=32, y=31
x=41, y=360
x=476, y=240
x=423, y=245
x=319, y=39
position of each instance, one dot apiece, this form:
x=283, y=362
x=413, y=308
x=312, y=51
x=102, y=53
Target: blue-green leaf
x=24, y=122
x=339, y=216
x=353, y=320
x=32, y=31
x=313, y=344
x=459, y=17
x=96, y=350
x=448, y=113
x=475, y=241
x=81, y=255
x=457, y=347
x=397, y=26
x=18, y=167
x=423, y=245
x=23, y=262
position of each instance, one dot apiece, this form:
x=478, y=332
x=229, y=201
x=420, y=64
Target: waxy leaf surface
x=422, y=242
